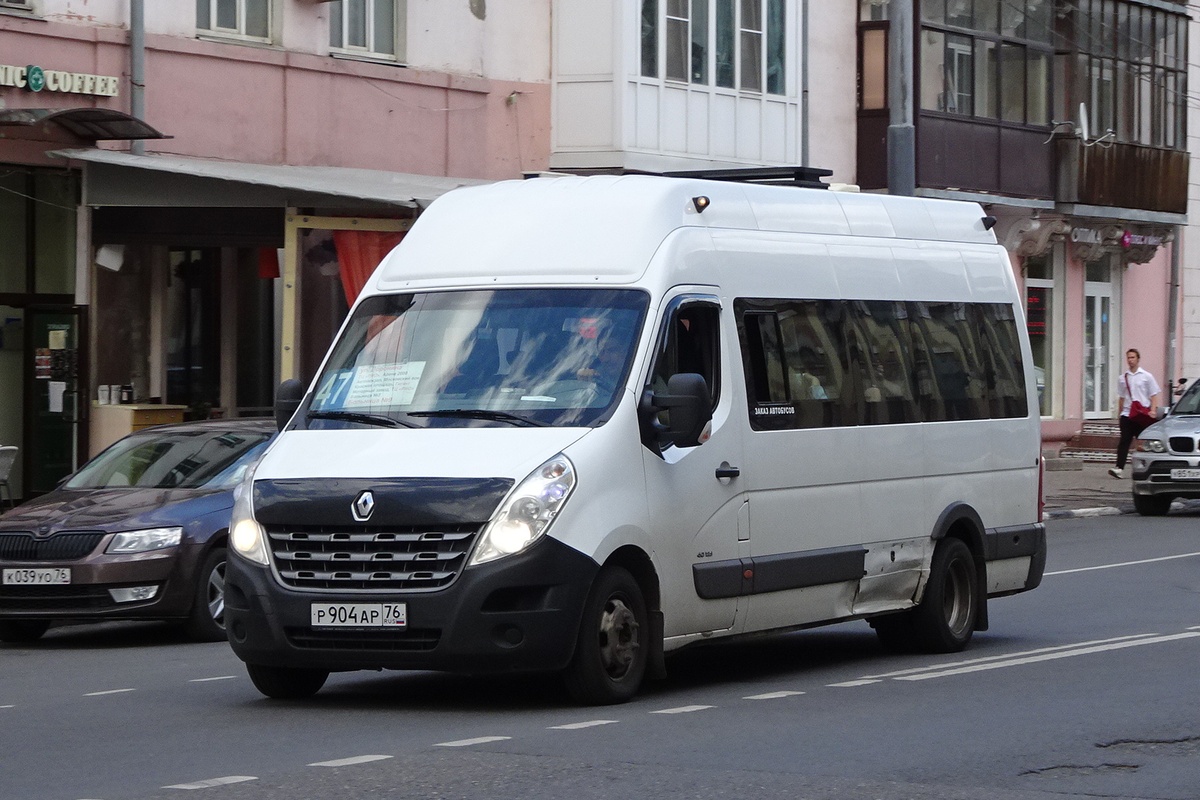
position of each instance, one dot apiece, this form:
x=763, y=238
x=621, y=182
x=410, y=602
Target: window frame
x=238, y=32
x=725, y=28
x=399, y=10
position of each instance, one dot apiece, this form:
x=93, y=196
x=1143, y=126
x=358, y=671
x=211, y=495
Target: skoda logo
x=362, y=507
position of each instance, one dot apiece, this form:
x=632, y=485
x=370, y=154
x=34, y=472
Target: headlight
x=528, y=511
x=1151, y=446
x=246, y=536
x=145, y=540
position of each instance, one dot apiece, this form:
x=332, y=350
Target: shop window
x=747, y=47
x=37, y=226
x=1039, y=319
x=249, y=18
x=14, y=229
x=22, y=5
x=371, y=27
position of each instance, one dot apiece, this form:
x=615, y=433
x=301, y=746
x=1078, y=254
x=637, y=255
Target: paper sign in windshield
x=384, y=385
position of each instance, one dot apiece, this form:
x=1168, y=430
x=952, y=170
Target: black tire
x=945, y=619
x=284, y=683
x=1152, y=505
x=206, y=622
x=611, y=653
x=22, y=631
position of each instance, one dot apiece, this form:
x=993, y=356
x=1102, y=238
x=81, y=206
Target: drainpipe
x=137, y=68
x=804, y=84
x=1172, y=316
x=901, y=134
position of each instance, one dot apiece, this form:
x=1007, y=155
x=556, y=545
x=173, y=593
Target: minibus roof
x=605, y=229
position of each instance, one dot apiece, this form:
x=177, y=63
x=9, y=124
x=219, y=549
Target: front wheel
x=945, y=619
x=1152, y=505
x=285, y=683
x=206, y=623
x=611, y=653
x=22, y=631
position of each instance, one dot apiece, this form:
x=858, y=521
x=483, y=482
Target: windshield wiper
x=480, y=413
x=355, y=416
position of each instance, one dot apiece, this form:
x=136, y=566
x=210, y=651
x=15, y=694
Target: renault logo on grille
x=362, y=507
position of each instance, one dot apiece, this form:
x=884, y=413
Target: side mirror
x=287, y=400
x=689, y=408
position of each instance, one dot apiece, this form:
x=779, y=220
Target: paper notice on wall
x=57, y=388
x=58, y=340
x=383, y=385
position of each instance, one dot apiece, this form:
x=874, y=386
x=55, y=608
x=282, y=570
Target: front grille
x=63, y=599
x=370, y=558
x=64, y=546
x=1182, y=444
x=410, y=640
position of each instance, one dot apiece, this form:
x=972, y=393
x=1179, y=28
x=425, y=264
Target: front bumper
x=1152, y=474
x=87, y=596
x=517, y=614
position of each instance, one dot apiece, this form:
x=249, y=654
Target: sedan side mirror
x=287, y=400
x=689, y=408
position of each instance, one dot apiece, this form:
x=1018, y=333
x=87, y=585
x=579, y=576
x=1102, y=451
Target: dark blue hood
x=115, y=509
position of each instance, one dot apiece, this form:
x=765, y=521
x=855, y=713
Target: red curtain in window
x=359, y=252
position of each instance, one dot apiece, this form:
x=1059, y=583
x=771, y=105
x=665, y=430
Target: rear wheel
x=945, y=619
x=206, y=623
x=611, y=653
x=21, y=631
x=285, y=683
x=1152, y=505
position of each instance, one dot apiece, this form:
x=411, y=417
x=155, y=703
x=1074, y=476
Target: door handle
x=725, y=471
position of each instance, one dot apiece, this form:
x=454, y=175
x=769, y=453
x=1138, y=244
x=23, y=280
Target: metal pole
x=804, y=40
x=1172, y=315
x=901, y=134
x=137, y=68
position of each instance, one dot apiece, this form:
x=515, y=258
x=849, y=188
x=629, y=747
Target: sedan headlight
x=144, y=541
x=1151, y=446
x=528, y=511
x=245, y=534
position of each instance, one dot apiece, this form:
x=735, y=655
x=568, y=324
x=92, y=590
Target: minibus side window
x=950, y=345
x=691, y=343
x=889, y=392
x=1001, y=351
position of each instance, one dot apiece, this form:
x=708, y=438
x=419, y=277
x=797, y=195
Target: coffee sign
x=35, y=79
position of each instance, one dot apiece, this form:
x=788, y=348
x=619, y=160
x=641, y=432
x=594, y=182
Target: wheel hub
x=618, y=638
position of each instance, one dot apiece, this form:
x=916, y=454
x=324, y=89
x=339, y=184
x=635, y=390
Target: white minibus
x=573, y=424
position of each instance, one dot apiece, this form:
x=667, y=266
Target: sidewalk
x=1089, y=492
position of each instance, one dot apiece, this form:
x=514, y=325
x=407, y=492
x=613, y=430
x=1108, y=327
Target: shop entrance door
x=54, y=422
x=1097, y=343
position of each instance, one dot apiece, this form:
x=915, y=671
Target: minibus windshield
x=504, y=358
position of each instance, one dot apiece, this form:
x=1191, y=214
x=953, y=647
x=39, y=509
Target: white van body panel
x=407, y=453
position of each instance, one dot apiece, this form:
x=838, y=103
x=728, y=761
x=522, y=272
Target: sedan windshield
x=514, y=357
x=1190, y=402
x=174, y=459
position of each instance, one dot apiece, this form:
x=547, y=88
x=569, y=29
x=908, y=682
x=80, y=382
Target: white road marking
x=1122, y=564
x=469, y=742
x=1080, y=651
x=681, y=710
x=7, y=706
x=772, y=695
x=574, y=726
x=847, y=684
x=108, y=691
x=217, y=678
x=346, y=762
x=1008, y=656
x=208, y=784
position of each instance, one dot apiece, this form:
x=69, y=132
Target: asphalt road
x=1085, y=686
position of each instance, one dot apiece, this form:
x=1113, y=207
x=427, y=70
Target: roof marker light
x=700, y=203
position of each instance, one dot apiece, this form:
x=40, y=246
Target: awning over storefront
x=94, y=124
x=115, y=178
